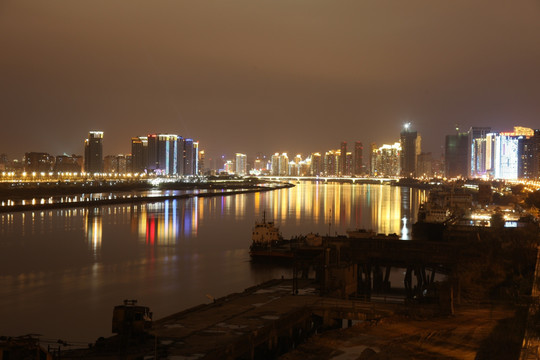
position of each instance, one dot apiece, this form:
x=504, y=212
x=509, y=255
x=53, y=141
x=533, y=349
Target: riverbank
x=122, y=193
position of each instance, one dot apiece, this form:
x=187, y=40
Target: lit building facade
x=190, y=166
x=283, y=165
x=65, y=163
x=275, y=165
x=316, y=164
x=475, y=167
x=506, y=157
x=331, y=163
x=410, y=149
x=343, y=171
x=241, y=164
x=139, y=154
x=38, y=162
x=358, y=158
x=93, y=152
x=386, y=160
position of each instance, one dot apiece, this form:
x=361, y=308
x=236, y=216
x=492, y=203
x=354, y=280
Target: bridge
x=360, y=180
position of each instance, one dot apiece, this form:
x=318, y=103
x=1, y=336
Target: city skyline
x=477, y=153
x=239, y=73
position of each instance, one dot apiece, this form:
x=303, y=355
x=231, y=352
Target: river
x=62, y=271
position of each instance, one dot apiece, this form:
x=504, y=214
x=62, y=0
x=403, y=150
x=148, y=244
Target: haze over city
x=268, y=76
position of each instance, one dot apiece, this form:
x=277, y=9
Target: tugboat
x=131, y=319
x=268, y=243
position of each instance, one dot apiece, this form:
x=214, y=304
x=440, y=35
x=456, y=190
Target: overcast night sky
x=250, y=76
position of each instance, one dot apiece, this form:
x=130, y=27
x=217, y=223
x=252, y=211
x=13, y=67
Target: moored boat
x=267, y=241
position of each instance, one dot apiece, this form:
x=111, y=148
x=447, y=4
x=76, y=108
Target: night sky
x=263, y=76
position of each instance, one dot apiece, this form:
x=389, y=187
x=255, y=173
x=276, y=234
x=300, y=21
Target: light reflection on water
x=62, y=271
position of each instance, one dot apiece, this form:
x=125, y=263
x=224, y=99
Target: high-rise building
x=348, y=163
x=275, y=165
x=152, y=153
x=294, y=168
x=65, y=163
x=283, y=164
x=38, y=162
x=241, y=164
x=343, y=160
x=424, y=165
x=93, y=152
x=115, y=164
x=139, y=153
x=410, y=149
x=163, y=154
x=201, y=162
x=3, y=162
x=475, y=154
x=180, y=155
x=527, y=152
x=189, y=153
x=386, y=160
x=455, y=155
x=373, y=159
x=195, y=158
x=305, y=167
x=506, y=157
x=358, y=158
x=316, y=164
x=332, y=162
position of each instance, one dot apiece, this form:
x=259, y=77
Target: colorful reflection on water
x=74, y=265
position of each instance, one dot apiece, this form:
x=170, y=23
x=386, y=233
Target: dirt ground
x=473, y=333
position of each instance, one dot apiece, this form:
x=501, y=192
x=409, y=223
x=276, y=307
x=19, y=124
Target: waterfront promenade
x=120, y=196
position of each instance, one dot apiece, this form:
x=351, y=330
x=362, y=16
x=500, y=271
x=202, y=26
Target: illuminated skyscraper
x=386, y=160
x=455, y=155
x=410, y=149
x=506, y=157
x=189, y=157
x=283, y=164
x=139, y=153
x=316, y=164
x=163, y=154
x=195, y=158
x=275, y=165
x=343, y=171
x=475, y=151
x=201, y=162
x=180, y=155
x=331, y=162
x=241, y=164
x=93, y=152
x=358, y=158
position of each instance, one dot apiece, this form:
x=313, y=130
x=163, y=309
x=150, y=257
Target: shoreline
x=224, y=191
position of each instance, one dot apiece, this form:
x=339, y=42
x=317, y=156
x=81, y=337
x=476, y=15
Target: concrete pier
x=262, y=322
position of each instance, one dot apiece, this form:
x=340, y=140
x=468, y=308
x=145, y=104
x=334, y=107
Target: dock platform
x=262, y=322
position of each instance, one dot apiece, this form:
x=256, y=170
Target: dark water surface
x=62, y=271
